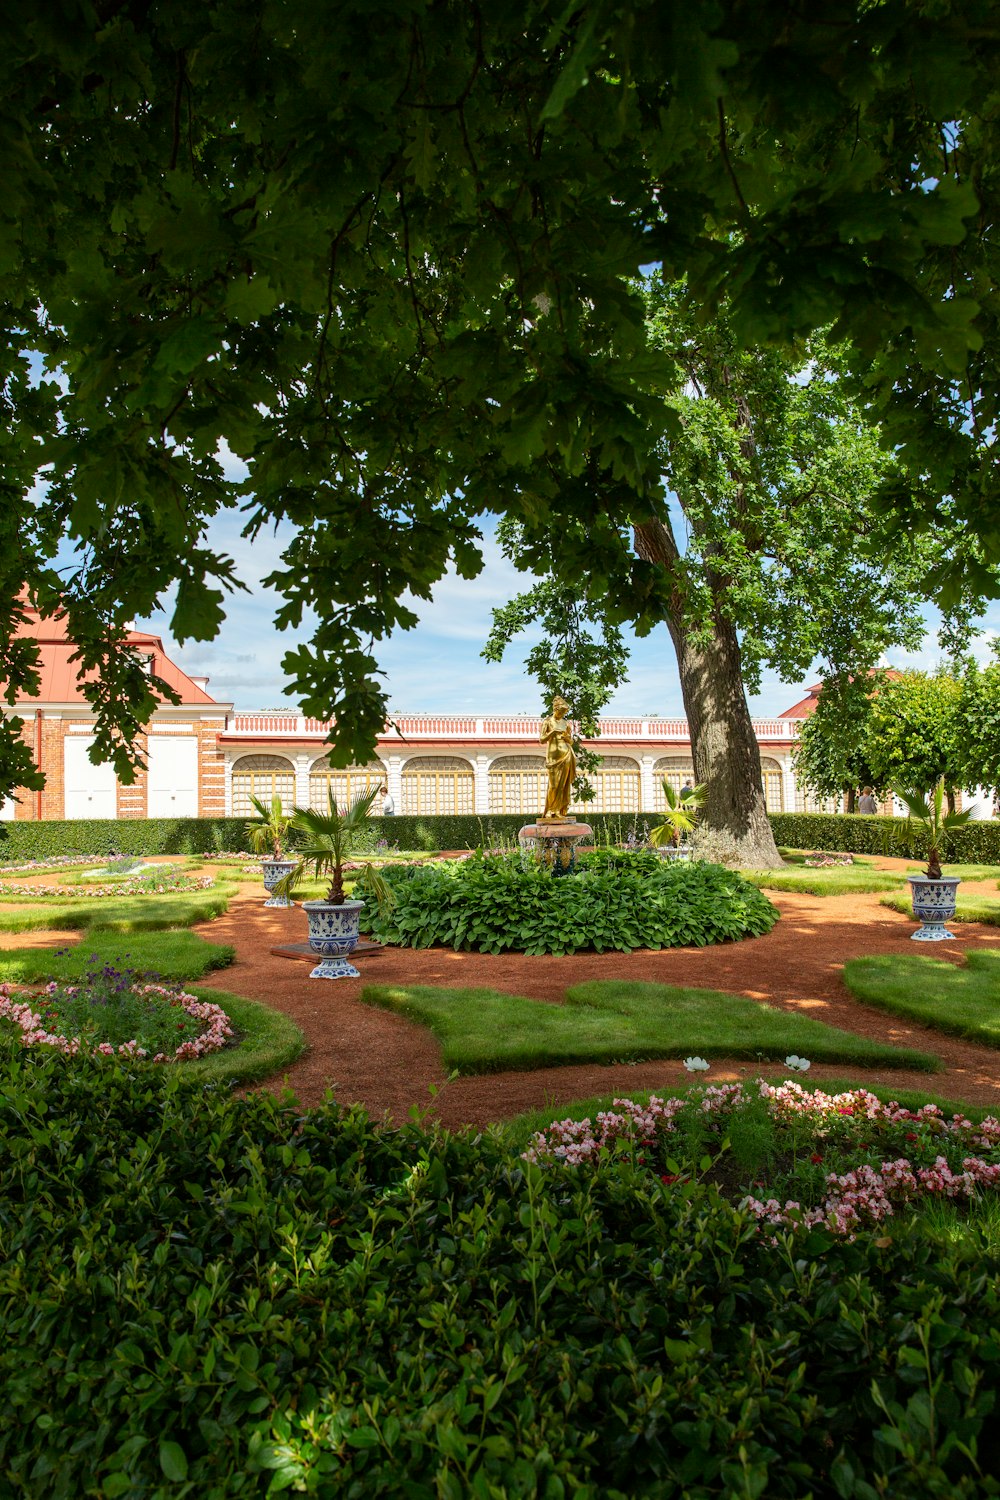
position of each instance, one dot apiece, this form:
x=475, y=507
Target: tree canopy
x=386, y=254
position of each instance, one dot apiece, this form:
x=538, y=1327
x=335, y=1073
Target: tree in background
x=915, y=733
x=771, y=553
x=979, y=725
x=831, y=758
x=386, y=255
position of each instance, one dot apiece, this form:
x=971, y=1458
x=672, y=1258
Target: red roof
x=60, y=680
x=807, y=705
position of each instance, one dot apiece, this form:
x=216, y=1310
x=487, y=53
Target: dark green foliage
x=24, y=841
x=976, y=843
x=223, y=1298
x=498, y=904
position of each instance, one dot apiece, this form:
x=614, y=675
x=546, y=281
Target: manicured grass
x=519, y=1130
x=959, y=999
x=171, y=955
x=834, y=880
x=967, y=908
x=964, y=872
x=268, y=1041
x=482, y=1031
x=117, y=914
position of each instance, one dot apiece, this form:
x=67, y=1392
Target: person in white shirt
x=388, y=806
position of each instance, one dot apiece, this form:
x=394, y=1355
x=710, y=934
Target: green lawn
x=172, y=955
x=115, y=913
x=834, y=880
x=519, y=1130
x=268, y=1041
x=969, y=908
x=963, y=1000
x=483, y=1031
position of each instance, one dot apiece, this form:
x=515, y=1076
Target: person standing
x=388, y=806
x=867, y=805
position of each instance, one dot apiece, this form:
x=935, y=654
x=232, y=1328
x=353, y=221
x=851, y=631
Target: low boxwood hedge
x=214, y=1297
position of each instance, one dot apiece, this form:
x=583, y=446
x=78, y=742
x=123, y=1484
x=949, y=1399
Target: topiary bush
x=220, y=1298
x=498, y=905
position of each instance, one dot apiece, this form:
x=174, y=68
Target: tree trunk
x=850, y=793
x=724, y=747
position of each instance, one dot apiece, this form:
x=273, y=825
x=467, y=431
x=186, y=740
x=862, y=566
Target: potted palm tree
x=267, y=832
x=323, y=843
x=679, y=818
x=933, y=893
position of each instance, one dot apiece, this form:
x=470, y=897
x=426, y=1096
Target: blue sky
x=437, y=667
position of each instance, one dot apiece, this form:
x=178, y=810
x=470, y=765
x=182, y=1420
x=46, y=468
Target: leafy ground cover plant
x=116, y=1011
x=484, y=1031
x=496, y=905
x=844, y=1161
x=299, y=1301
x=170, y=955
x=960, y=999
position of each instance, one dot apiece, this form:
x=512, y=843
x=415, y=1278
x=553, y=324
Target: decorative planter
x=933, y=905
x=275, y=870
x=333, y=934
x=552, y=842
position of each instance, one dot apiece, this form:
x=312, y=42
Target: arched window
x=264, y=777
x=676, y=771
x=345, y=783
x=438, y=784
x=773, y=782
x=617, y=787
x=518, y=784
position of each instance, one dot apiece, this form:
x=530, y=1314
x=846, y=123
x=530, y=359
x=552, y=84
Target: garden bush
x=497, y=904
x=218, y=1298
x=977, y=843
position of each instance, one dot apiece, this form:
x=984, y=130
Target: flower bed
x=822, y=860
x=850, y=1160
x=149, y=885
x=110, y=1015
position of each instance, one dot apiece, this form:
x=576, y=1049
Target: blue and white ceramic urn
x=933, y=905
x=333, y=934
x=275, y=870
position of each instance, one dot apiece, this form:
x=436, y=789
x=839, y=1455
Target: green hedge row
x=24, y=841
x=976, y=843
x=209, y=1297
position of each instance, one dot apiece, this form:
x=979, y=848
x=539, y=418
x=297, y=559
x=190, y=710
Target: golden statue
x=560, y=762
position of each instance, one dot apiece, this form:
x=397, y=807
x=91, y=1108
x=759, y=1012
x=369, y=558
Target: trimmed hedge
x=24, y=841
x=213, y=1297
x=976, y=843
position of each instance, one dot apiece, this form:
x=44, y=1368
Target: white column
x=647, y=781
x=394, y=778
x=788, y=783
x=302, y=763
x=482, y=769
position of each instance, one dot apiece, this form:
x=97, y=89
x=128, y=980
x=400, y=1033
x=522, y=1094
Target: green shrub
x=218, y=1298
x=976, y=843
x=498, y=904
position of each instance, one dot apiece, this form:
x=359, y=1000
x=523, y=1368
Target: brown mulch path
x=391, y=1065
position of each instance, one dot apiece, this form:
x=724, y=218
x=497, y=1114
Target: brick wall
x=131, y=800
x=211, y=768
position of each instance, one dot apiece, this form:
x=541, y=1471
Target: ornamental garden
x=579, y=1188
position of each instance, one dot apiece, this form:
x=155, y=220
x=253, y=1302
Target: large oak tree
x=386, y=253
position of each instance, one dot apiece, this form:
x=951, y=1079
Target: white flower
x=800, y=1064
x=698, y=1065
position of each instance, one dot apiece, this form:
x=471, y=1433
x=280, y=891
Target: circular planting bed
x=497, y=905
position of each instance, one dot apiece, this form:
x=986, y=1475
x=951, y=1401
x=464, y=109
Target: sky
x=437, y=667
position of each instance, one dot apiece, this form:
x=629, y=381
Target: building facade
x=203, y=759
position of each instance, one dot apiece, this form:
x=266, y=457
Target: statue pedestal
x=552, y=842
